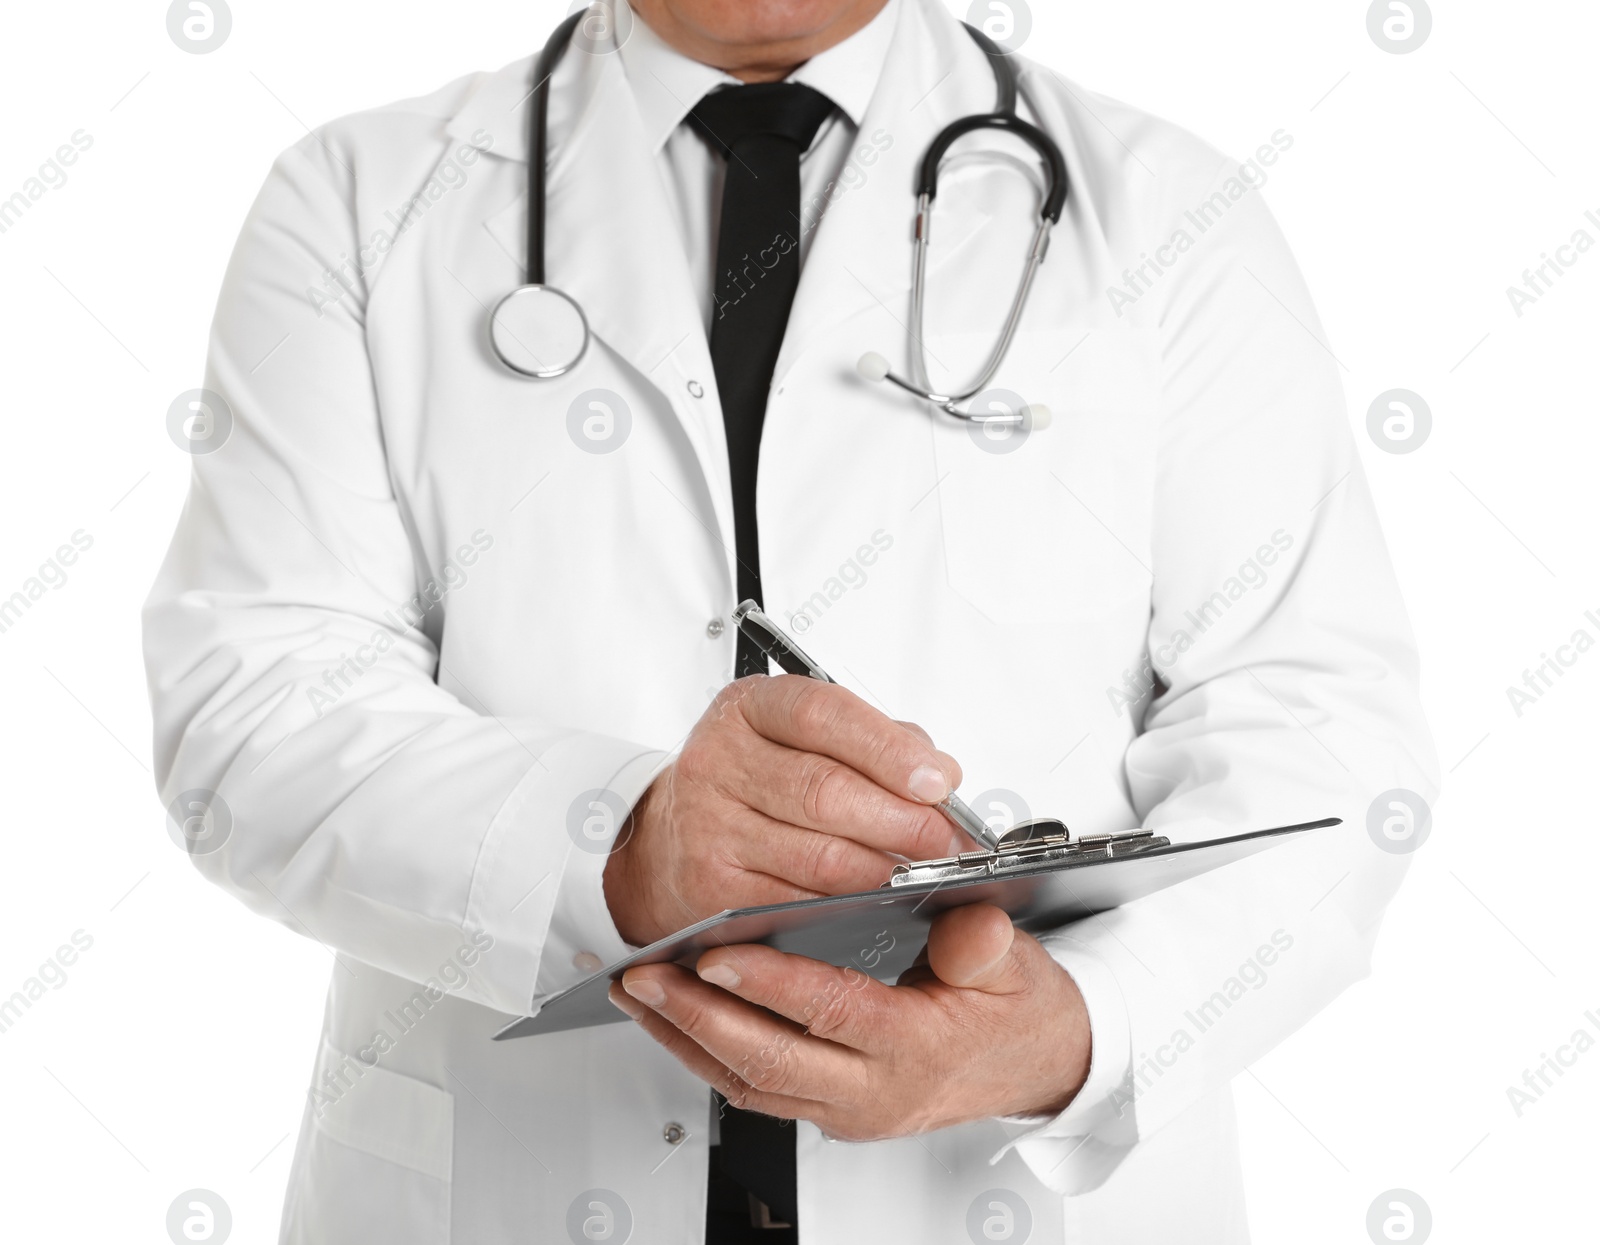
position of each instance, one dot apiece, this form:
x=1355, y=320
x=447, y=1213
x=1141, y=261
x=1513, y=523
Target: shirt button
x=672, y=1134
x=715, y=628
x=695, y=391
x=588, y=961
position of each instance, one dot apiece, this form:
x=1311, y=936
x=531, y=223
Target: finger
x=758, y=889
x=820, y=793
x=918, y=972
x=704, y=1065
x=977, y=948
x=947, y=763
x=771, y=1054
x=795, y=863
x=840, y=1005
x=825, y=863
x=827, y=719
x=949, y=766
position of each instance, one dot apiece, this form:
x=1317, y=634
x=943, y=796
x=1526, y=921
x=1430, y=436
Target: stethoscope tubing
x=1004, y=118
x=539, y=143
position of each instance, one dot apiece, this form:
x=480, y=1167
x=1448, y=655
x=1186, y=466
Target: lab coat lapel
x=861, y=254
x=614, y=245
x=611, y=241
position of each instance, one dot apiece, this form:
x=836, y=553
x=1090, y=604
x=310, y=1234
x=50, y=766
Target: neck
x=755, y=40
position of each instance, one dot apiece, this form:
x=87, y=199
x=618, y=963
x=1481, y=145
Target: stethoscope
x=540, y=332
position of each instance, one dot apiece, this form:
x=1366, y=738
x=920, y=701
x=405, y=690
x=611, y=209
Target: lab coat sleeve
x=290, y=649
x=1284, y=690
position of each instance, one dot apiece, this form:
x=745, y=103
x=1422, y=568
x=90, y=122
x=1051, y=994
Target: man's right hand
x=787, y=788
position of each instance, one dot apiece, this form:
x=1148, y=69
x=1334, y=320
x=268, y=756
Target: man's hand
x=988, y=1025
x=787, y=788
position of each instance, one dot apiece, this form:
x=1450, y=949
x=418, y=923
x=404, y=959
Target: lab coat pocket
x=1048, y=521
x=379, y=1157
x=992, y=509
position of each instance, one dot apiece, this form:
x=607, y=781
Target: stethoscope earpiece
x=873, y=366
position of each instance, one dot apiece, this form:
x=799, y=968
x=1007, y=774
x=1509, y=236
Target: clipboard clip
x=1024, y=847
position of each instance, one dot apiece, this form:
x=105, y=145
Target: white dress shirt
x=667, y=84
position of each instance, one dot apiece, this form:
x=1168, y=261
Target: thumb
x=976, y=948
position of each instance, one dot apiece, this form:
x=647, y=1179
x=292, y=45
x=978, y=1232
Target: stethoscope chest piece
x=538, y=331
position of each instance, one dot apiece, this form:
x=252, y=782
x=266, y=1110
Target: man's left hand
x=985, y=1024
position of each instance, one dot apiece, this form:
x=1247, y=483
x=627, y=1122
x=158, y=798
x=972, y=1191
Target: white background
x=1418, y=188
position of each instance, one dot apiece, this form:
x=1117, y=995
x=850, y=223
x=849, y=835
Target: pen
x=772, y=640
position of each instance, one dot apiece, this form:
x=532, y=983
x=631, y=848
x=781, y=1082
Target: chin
x=757, y=21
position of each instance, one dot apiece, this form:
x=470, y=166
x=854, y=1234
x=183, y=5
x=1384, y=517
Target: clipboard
x=1041, y=880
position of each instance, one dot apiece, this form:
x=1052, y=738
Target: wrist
x=1069, y=1053
x=619, y=881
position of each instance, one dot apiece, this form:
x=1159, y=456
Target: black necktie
x=762, y=130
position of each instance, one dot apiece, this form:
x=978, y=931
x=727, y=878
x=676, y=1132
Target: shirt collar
x=666, y=84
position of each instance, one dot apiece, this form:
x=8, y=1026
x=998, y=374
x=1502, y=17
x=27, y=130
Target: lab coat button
x=588, y=961
x=672, y=1134
x=714, y=628
x=695, y=391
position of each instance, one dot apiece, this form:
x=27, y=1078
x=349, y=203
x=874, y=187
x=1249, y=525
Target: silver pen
x=772, y=640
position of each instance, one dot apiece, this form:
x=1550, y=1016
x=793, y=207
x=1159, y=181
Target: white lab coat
x=416, y=797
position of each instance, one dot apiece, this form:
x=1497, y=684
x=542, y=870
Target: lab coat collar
x=497, y=105
x=500, y=103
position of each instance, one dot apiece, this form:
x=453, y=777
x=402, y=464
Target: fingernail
x=626, y=1006
x=721, y=975
x=646, y=991
x=928, y=784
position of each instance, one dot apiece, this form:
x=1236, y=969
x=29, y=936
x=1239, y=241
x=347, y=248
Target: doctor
x=442, y=652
